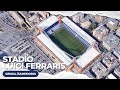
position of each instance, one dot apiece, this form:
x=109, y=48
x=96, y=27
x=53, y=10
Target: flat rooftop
x=111, y=40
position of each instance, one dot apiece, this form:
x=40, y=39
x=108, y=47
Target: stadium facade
x=81, y=60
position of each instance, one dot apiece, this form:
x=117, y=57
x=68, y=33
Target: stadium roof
x=87, y=57
x=78, y=30
x=48, y=22
x=52, y=19
x=57, y=51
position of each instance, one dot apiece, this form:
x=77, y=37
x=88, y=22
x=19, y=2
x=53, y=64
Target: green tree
x=93, y=26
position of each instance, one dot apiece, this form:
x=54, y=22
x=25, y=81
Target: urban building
x=99, y=69
x=43, y=14
x=20, y=19
x=111, y=76
x=90, y=17
x=85, y=24
x=110, y=41
x=80, y=20
x=109, y=60
x=118, y=32
x=117, y=51
x=99, y=18
x=77, y=18
x=100, y=32
x=117, y=71
x=112, y=24
x=32, y=18
x=16, y=16
x=26, y=15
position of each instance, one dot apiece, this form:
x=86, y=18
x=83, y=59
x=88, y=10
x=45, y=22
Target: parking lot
x=18, y=42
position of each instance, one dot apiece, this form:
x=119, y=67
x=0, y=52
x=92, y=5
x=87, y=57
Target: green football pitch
x=67, y=42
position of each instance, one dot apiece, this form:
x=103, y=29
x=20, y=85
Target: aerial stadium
x=64, y=40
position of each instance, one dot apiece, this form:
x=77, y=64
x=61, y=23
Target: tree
x=92, y=26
